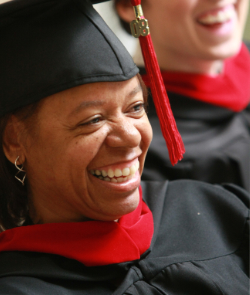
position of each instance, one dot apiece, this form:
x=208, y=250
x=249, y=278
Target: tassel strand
x=167, y=122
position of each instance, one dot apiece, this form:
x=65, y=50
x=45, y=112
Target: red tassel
x=167, y=122
x=135, y=2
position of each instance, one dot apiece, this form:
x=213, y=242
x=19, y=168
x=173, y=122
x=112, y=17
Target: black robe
x=217, y=143
x=200, y=246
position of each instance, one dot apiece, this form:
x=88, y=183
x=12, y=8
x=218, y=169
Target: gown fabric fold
x=200, y=245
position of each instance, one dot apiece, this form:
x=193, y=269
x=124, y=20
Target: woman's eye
x=95, y=120
x=92, y=121
x=138, y=108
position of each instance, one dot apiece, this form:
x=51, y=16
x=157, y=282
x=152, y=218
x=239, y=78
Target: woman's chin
x=116, y=209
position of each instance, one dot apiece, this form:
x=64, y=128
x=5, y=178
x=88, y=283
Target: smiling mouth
x=217, y=17
x=117, y=175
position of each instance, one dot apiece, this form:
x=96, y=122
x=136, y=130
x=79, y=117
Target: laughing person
x=75, y=216
x=206, y=71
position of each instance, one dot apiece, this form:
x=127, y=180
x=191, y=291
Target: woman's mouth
x=217, y=17
x=117, y=175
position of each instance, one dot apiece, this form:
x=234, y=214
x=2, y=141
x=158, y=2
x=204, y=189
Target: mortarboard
x=48, y=46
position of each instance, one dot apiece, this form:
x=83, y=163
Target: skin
x=93, y=126
x=181, y=42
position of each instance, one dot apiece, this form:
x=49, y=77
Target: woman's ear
x=12, y=146
x=125, y=10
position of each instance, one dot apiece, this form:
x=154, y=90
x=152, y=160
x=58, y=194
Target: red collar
x=92, y=243
x=229, y=90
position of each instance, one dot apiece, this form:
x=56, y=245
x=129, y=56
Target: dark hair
x=144, y=90
x=13, y=195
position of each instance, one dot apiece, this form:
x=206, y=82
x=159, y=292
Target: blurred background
x=247, y=29
x=106, y=10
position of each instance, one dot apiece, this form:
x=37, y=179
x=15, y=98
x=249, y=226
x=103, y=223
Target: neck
x=172, y=61
x=175, y=62
x=43, y=211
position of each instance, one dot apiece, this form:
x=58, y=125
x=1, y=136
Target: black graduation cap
x=47, y=46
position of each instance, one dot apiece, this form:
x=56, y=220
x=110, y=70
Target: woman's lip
x=126, y=186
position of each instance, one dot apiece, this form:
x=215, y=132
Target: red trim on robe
x=230, y=90
x=92, y=243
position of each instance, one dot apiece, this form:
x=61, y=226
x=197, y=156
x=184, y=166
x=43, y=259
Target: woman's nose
x=124, y=134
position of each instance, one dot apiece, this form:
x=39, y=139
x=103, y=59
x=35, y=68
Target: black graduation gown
x=217, y=143
x=199, y=247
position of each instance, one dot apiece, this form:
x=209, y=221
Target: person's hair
x=13, y=195
x=144, y=90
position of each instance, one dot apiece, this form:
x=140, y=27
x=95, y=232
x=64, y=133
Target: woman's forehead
x=93, y=95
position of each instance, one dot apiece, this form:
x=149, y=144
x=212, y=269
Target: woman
x=74, y=140
x=206, y=71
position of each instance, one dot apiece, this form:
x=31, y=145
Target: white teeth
x=104, y=173
x=121, y=175
x=125, y=171
x=120, y=179
x=220, y=17
x=133, y=169
x=118, y=172
x=111, y=173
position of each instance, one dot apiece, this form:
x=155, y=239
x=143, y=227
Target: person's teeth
x=114, y=180
x=120, y=179
x=125, y=171
x=220, y=17
x=130, y=177
x=118, y=172
x=111, y=173
x=132, y=169
x=104, y=173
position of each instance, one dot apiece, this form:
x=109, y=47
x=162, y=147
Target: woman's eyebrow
x=137, y=89
x=86, y=104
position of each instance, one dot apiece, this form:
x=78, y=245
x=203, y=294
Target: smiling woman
x=108, y=122
x=75, y=216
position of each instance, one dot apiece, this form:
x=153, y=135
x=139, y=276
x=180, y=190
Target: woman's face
x=82, y=161
x=209, y=29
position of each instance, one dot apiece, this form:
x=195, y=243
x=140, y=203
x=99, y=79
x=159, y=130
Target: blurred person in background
x=206, y=71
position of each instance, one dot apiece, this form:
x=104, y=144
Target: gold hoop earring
x=20, y=169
